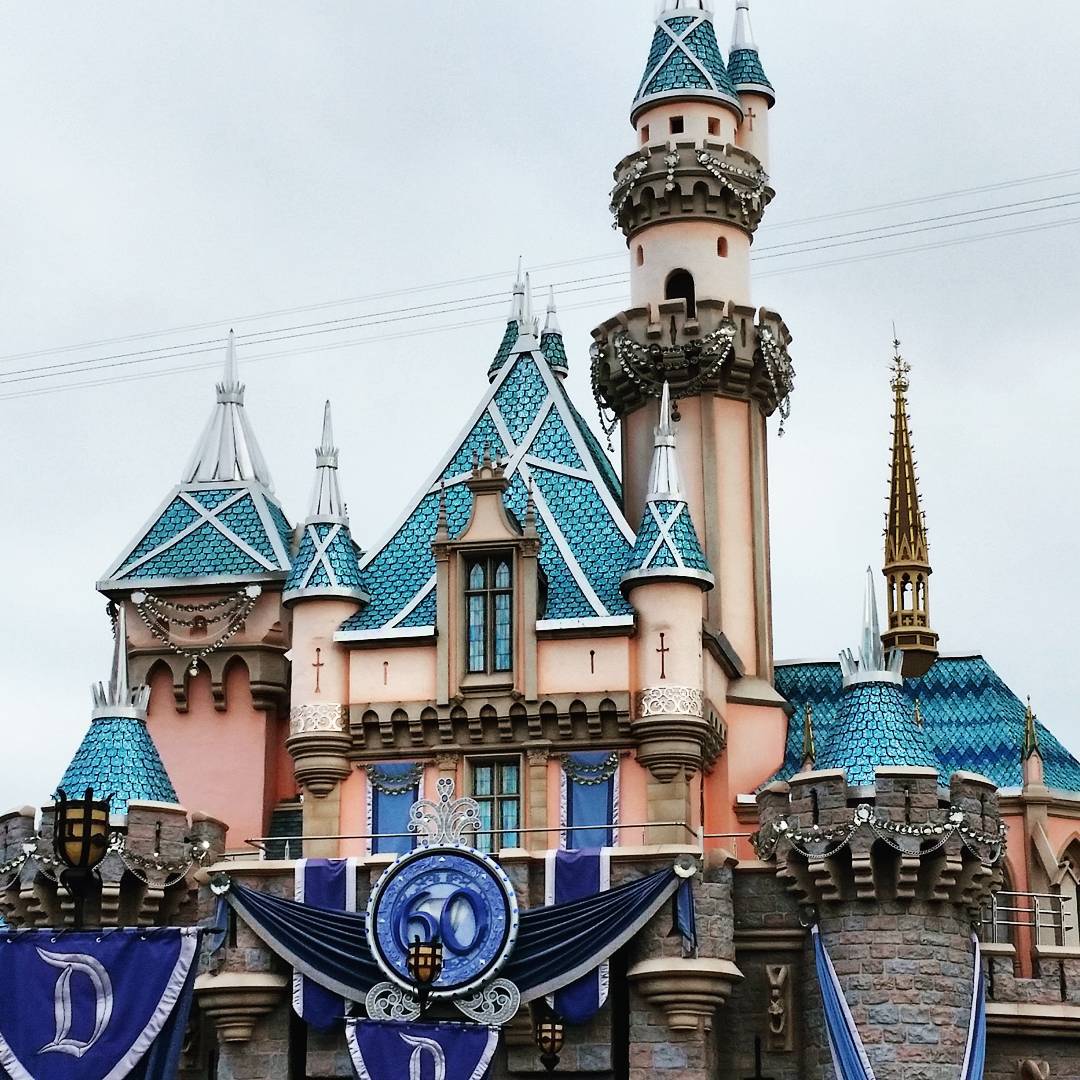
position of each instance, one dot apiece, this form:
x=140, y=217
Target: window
x=714, y=125
x=496, y=786
x=721, y=247
x=392, y=789
x=591, y=798
x=677, y=125
x=489, y=597
x=680, y=286
x=640, y=255
x=644, y=134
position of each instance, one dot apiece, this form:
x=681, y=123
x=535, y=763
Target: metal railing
x=1048, y=916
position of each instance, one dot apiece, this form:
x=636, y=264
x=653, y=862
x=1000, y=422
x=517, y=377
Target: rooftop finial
x=743, y=36
x=119, y=698
x=528, y=321
x=230, y=388
x=1031, y=733
x=900, y=367
x=551, y=325
x=809, y=750
x=326, y=501
x=517, y=297
x=872, y=665
x=664, y=475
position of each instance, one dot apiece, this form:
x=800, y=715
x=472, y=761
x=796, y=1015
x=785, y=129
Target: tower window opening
x=721, y=247
x=680, y=286
x=678, y=125
x=714, y=125
x=489, y=601
x=644, y=134
x=815, y=807
x=641, y=254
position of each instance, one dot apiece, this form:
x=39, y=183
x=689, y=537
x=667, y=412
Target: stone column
x=536, y=807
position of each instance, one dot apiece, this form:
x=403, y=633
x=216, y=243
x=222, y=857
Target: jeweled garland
x=591, y=775
x=840, y=836
x=780, y=370
x=159, y=615
x=389, y=784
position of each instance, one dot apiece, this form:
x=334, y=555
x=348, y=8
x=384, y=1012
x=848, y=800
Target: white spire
x=529, y=324
x=118, y=698
x=664, y=473
x=326, y=501
x=872, y=664
x=228, y=450
x=551, y=325
x=517, y=299
x=743, y=37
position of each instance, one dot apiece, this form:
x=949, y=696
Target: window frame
x=489, y=594
x=490, y=842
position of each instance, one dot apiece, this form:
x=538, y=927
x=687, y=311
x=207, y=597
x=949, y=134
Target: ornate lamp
x=425, y=961
x=81, y=842
x=550, y=1036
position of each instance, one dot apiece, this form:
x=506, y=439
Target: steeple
x=685, y=62
x=117, y=756
x=809, y=750
x=667, y=546
x=521, y=327
x=551, y=340
x=744, y=63
x=907, y=558
x=326, y=565
x=228, y=450
x=872, y=663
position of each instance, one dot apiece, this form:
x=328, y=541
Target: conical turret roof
x=551, y=340
x=744, y=62
x=117, y=756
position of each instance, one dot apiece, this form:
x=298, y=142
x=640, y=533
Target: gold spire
x=1031, y=734
x=907, y=553
x=809, y=750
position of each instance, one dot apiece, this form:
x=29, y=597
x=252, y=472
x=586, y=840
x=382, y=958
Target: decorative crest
x=900, y=367
x=446, y=821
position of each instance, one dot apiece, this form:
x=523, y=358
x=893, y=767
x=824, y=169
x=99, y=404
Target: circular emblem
x=453, y=895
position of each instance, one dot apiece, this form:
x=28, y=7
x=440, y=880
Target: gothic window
x=392, y=789
x=680, y=286
x=496, y=787
x=1070, y=898
x=489, y=602
x=590, y=799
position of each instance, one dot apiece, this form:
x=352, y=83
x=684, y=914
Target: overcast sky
x=170, y=166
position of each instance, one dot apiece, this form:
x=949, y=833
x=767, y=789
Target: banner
x=324, y=883
x=578, y=875
x=95, y=1006
x=383, y=1050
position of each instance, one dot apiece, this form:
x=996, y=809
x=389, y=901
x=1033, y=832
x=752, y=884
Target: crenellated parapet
x=719, y=346
x=910, y=839
x=690, y=180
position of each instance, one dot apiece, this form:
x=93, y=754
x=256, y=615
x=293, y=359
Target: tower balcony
x=690, y=180
x=718, y=347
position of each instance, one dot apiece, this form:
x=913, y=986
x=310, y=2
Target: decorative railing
x=1050, y=918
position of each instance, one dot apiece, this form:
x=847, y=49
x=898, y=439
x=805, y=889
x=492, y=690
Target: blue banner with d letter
x=382, y=1050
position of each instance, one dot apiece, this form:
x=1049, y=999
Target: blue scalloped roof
x=118, y=757
x=326, y=559
x=678, y=548
x=688, y=58
x=554, y=348
x=972, y=721
x=744, y=68
x=206, y=533
x=506, y=347
x=584, y=539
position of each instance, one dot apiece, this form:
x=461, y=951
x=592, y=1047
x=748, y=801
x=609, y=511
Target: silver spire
x=119, y=698
x=529, y=324
x=664, y=472
x=551, y=325
x=872, y=665
x=228, y=450
x=326, y=501
x=743, y=36
x=517, y=298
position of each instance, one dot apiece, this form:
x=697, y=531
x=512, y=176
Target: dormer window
x=489, y=604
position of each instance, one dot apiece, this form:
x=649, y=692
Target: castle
x=587, y=652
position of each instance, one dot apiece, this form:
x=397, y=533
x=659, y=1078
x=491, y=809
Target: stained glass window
x=489, y=602
x=496, y=786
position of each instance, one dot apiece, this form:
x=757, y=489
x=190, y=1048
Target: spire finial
x=442, y=521
x=327, y=429
x=529, y=324
x=1031, y=733
x=230, y=388
x=900, y=368
x=530, y=511
x=326, y=501
x=664, y=480
x=743, y=35
x=118, y=694
x=809, y=750
x=551, y=324
x=872, y=663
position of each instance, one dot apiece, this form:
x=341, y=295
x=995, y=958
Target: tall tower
x=907, y=554
x=689, y=198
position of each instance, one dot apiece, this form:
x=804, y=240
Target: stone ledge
x=779, y=939
x=1056, y=952
x=1015, y=1018
x=1002, y=949
x=689, y=991
x=234, y=1001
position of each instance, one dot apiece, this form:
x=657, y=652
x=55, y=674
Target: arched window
x=489, y=606
x=680, y=286
x=1070, y=897
x=721, y=247
x=641, y=254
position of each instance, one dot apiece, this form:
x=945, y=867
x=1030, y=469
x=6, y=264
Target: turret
x=749, y=79
x=907, y=556
x=522, y=328
x=323, y=589
x=551, y=340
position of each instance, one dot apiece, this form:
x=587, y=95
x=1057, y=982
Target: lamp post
x=425, y=961
x=550, y=1036
x=81, y=842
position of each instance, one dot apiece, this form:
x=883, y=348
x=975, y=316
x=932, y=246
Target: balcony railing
x=1048, y=917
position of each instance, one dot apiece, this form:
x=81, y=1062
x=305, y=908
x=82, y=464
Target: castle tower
x=202, y=581
x=894, y=860
x=907, y=556
x=689, y=199
x=323, y=590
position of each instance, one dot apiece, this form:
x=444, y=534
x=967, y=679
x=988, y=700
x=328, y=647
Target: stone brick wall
x=1004, y=1056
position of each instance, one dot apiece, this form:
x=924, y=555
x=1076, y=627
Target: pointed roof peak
x=664, y=481
x=327, y=453
x=872, y=663
x=228, y=451
x=1031, y=733
x=326, y=501
x=744, y=61
x=743, y=35
x=900, y=368
x=118, y=697
x=551, y=324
